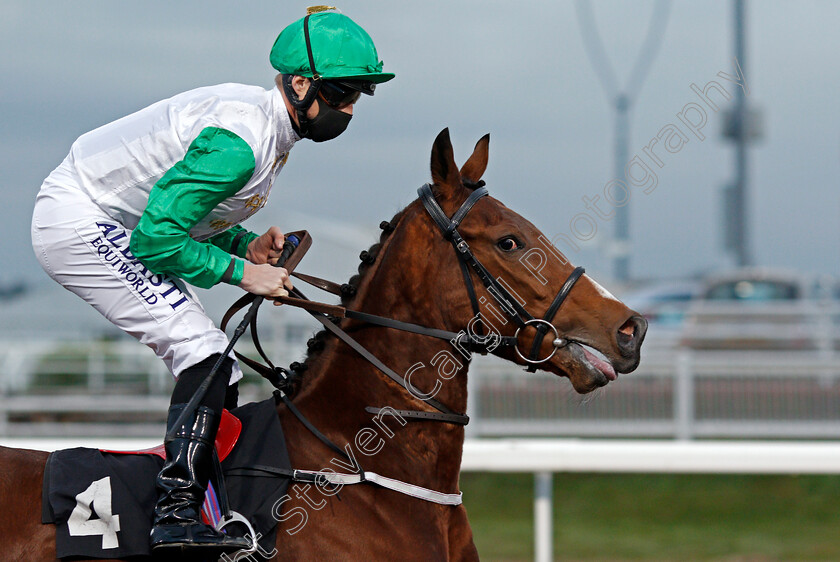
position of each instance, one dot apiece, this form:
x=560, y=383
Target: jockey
x=144, y=205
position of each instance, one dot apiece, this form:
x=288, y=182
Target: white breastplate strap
x=321, y=478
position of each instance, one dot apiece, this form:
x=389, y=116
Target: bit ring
x=536, y=321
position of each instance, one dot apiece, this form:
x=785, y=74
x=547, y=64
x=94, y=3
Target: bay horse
x=412, y=275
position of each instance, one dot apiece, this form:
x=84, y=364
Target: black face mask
x=328, y=124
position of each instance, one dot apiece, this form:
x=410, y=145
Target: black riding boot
x=182, y=483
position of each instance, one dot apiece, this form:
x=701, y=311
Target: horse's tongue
x=603, y=366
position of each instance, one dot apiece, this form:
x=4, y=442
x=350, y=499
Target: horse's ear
x=474, y=168
x=445, y=173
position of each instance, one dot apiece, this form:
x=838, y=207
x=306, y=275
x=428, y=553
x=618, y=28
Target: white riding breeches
x=87, y=252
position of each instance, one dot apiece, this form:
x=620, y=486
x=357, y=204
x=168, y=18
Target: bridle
x=473, y=342
x=509, y=304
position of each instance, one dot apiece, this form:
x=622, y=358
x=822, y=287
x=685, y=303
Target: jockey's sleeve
x=217, y=164
x=234, y=240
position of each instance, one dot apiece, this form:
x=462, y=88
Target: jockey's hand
x=267, y=248
x=266, y=280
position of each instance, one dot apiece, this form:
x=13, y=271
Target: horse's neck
x=342, y=384
x=339, y=381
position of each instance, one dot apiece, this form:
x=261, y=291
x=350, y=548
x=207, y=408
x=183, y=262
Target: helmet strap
x=301, y=105
x=315, y=75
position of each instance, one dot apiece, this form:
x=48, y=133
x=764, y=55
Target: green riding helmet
x=340, y=49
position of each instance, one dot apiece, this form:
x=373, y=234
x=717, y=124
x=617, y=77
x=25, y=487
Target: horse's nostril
x=631, y=334
x=628, y=328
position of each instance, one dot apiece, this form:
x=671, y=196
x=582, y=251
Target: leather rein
x=328, y=315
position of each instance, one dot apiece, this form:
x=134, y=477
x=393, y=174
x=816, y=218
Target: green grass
x=660, y=517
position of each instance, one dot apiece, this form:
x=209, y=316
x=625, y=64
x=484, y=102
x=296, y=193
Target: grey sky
x=514, y=69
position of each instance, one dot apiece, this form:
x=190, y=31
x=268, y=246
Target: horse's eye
x=509, y=244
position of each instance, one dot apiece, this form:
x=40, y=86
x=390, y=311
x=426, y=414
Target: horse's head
x=596, y=335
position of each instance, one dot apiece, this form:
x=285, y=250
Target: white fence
x=678, y=393
x=48, y=389
x=545, y=457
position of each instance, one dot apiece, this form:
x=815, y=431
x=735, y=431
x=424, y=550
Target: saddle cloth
x=102, y=501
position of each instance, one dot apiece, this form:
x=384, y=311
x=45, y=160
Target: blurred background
x=728, y=242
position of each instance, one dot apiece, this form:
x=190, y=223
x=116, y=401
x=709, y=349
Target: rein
x=279, y=376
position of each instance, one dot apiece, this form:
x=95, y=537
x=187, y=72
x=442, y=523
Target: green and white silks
x=184, y=172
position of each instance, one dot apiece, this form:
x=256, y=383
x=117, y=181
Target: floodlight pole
x=619, y=248
x=622, y=214
x=741, y=116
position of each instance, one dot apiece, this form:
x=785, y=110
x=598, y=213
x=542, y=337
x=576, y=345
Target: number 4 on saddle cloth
x=102, y=501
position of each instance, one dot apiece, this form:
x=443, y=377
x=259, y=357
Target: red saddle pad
x=229, y=429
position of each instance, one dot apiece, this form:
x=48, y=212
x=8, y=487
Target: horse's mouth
x=597, y=360
x=586, y=366
x=590, y=368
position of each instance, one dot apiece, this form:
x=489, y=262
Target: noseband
x=509, y=304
